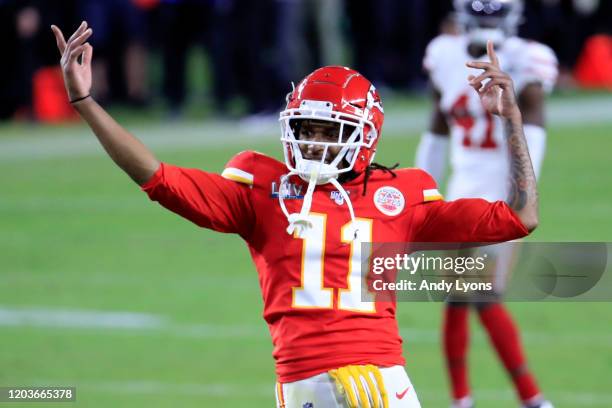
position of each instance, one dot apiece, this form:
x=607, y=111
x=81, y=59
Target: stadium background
x=103, y=290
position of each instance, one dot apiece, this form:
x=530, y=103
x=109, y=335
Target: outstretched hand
x=497, y=95
x=77, y=74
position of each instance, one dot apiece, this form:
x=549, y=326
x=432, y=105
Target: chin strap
x=299, y=221
x=348, y=202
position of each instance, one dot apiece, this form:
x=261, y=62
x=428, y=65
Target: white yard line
x=144, y=323
x=163, y=388
x=78, y=141
x=151, y=324
x=150, y=387
x=70, y=318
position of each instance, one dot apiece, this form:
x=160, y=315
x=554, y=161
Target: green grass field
x=79, y=239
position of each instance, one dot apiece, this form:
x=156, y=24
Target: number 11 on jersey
x=312, y=293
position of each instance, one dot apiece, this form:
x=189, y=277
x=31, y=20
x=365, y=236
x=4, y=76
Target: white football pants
x=320, y=391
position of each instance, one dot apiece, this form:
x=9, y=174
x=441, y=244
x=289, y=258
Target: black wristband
x=80, y=99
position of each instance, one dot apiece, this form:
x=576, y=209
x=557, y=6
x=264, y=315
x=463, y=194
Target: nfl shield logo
x=337, y=197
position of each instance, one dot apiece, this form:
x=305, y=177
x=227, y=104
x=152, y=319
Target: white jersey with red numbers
x=311, y=283
x=479, y=156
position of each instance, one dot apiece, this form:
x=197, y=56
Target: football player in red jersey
x=481, y=166
x=332, y=347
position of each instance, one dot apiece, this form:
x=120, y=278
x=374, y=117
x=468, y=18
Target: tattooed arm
x=523, y=193
x=498, y=97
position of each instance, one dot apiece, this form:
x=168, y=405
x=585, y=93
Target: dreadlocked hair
x=377, y=166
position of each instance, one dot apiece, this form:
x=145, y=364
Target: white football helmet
x=484, y=20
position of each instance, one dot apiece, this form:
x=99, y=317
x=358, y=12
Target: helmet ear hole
x=347, y=131
x=296, y=125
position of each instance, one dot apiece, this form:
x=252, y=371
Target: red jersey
x=311, y=283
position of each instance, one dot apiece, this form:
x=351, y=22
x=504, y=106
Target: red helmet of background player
x=334, y=94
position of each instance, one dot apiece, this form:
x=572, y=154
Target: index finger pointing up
x=491, y=53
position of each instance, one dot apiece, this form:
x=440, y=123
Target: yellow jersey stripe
x=432, y=195
x=241, y=176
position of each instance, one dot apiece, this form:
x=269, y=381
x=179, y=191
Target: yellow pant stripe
x=280, y=396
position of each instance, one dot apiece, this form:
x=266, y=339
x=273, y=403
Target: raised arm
x=125, y=150
x=498, y=97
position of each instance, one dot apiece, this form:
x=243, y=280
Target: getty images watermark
x=411, y=264
x=518, y=271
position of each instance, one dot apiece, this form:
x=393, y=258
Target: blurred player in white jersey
x=480, y=164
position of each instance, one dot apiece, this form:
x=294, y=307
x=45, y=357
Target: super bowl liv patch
x=389, y=200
